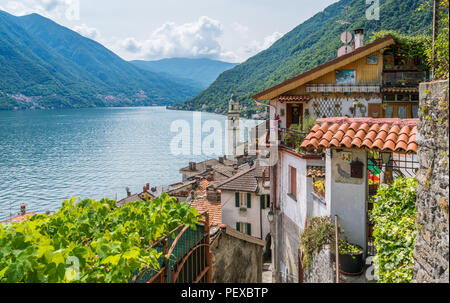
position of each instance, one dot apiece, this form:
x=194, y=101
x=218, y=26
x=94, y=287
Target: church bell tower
x=233, y=127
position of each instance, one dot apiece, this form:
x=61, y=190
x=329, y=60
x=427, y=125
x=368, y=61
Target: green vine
x=104, y=243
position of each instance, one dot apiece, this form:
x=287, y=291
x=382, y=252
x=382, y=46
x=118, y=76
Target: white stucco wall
x=232, y=214
x=348, y=201
x=305, y=205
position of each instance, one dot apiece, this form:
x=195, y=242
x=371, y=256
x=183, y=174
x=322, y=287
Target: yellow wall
x=365, y=74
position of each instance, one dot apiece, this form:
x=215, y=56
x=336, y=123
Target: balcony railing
x=292, y=138
x=338, y=88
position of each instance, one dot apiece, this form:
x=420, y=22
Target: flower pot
x=351, y=264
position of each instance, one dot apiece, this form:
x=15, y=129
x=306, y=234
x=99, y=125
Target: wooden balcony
x=338, y=88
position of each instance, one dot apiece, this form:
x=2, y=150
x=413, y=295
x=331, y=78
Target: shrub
x=318, y=232
x=394, y=214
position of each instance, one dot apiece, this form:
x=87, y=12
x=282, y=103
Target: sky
x=227, y=30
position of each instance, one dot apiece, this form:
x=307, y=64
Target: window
x=265, y=201
x=293, y=182
x=245, y=228
x=243, y=200
x=415, y=111
x=402, y=112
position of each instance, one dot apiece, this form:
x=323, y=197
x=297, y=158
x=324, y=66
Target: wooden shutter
x=294, y=182
x=249, y=229
x=268, y=201
x=249, y=200
x=263, y=201
x=238, y=226
x=237, y=200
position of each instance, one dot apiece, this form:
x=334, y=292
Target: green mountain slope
x=45, y=65
x=308, y=45
x=201, y=71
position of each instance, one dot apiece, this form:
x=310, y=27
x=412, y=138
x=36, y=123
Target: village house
x=237, y=256
x=246, y=201
x=314, y=174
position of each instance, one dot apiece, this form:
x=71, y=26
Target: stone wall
x=236, y=260
x=432, y=249
x=322, y=268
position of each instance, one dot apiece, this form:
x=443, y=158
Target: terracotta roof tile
x=315, y=171
x=395, y=135
x=401, y=145
x=202, y=204
x=294, y=98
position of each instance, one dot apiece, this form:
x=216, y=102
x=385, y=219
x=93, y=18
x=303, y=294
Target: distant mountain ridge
x=201, y=71
x=310, y=44
x=46, y=65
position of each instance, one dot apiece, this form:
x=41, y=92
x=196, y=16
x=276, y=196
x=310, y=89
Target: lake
x=49, y=156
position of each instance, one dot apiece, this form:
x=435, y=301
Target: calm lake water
x=49, y=156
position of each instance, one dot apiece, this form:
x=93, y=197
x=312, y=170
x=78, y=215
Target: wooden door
x=294, y=114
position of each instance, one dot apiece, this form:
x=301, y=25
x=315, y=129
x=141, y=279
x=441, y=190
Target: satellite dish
x=346, y=37
x=346, y=49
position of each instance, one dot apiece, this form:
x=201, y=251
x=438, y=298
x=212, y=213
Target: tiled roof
x=244, y=181
x=315, y=171
x=294, y=98
x=202, y=204
x=394, y=135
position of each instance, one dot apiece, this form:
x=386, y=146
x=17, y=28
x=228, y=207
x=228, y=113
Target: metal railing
x=185, y=259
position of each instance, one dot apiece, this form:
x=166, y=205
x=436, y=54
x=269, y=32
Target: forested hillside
x=45, y=65
x=308, y=45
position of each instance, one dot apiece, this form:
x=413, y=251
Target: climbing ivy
x=394, y=216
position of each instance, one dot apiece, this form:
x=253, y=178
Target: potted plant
x=350, y=259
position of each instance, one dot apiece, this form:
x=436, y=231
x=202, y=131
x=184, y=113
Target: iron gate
x=185, y=259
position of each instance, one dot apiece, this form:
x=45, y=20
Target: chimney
x=235, y=168
x=23, y=209
x=192, y=166
x=210, y=178
x=359, y=38
x=221, y=160
x=128, y=191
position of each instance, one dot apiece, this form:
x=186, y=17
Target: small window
x=243, y=200
x=293, y=182
x=245, y=228
x=265, y=201
x=389, y=111
x=415, y=111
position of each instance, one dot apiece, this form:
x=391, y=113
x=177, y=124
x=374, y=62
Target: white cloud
x=198, y=39
x=56, y=9
x=255, y=47
x=88, y=32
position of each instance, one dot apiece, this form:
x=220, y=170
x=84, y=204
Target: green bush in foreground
x=91, y=241
x=395, y=232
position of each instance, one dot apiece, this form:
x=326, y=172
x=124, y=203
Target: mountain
x=310, y=44
x=45, y=65
x=202, y=71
